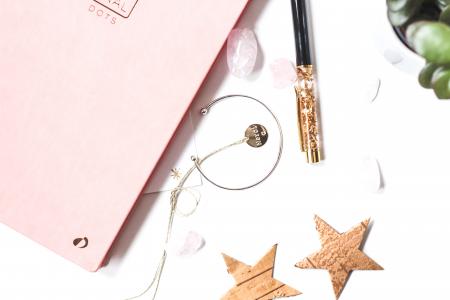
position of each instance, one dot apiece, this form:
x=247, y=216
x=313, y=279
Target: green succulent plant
x=425, y=25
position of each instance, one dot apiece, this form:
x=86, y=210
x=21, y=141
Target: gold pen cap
x=313, y=156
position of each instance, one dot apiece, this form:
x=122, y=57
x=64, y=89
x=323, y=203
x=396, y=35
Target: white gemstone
x=373, y=87
x=371, y=177
x=283, y=73
x=242, y=50
x=393, y=56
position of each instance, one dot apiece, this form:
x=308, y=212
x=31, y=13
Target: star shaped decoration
x=256, y=282
x=340, y=254
x=175, y=173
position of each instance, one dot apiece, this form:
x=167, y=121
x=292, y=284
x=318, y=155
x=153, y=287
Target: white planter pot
x=392, y=48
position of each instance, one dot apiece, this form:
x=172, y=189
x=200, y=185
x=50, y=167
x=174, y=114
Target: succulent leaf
x=441, y=82
x=445, y=15
x=443, y=3
x=396, y=5
x=430, y=40
x=426, y=75
x=401, y=16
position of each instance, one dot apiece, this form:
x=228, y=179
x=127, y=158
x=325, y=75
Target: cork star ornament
x=256, y=282
x=340, y=254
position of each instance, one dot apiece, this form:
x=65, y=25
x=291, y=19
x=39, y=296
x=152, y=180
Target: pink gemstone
x=283, y=73
x=193, y=242
x=242, y=50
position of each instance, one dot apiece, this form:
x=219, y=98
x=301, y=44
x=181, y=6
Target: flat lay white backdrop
x=405, y=129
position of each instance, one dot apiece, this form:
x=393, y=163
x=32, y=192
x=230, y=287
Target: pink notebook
x=91, y=92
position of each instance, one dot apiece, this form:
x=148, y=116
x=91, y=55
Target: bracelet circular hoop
x=205, y=110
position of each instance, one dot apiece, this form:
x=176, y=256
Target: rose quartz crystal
x=283, y=73
x=193, y=242
x=242, y=50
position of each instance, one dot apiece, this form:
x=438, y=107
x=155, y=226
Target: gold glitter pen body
x=308, y=122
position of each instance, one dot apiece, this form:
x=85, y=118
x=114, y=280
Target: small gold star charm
x=175, y=173
x=256, y=282
x=340, y=254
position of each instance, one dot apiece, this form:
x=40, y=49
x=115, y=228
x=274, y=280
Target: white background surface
x=405, y=129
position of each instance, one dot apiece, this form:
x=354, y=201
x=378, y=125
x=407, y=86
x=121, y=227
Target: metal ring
x=204, y=111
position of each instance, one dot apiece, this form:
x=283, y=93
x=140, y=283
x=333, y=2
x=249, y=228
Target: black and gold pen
x=308, y=122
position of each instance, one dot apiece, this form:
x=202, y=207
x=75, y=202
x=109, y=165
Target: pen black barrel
x=302, y=46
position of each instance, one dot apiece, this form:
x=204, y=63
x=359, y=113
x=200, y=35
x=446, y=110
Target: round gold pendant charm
x=256, y=135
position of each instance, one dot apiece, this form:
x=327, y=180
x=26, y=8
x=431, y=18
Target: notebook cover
x=176, y=161
x=90, y=95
